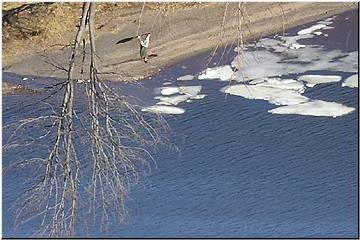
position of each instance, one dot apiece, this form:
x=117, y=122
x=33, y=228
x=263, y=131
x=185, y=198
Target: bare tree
x=118, y=138
x=115, y=134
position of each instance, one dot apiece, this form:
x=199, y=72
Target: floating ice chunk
x=163, y=103
x=259, y=64
x=169, y=90
x=348, y=63
x=225, y=88
x=185, y=78
x=200, y=96
x=314, y=108
x=312, y=80
x=174, y=100
x=190, y=90
x=275, y=96
x=325, y=22
x=223, y=73
x=164, y=109
x=328, y=27
x=239, y=77
x=283, y=84
x=311, y=29
x=241, y=48
x=351, y=81
x=83, y=81
x=269, y=43
x=296, y=46
x=317, y=33
x=262, y=63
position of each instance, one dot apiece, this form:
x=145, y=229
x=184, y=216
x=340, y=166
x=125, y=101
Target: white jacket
x=145, y=43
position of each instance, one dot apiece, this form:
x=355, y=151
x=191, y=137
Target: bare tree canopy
x=117, y=137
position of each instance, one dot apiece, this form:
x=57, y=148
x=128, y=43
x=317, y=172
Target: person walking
x=144, y=45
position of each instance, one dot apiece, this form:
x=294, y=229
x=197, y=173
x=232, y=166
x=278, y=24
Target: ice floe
x=173, y=100
x=164, y=109
x=314, y=108
x=242, y=48
x=185, y=78
x=257, y=81
x=163, y=103
x=296, y=46
x=166, y=102
x=259, y=64
x=260, y=70
x=290, y=84
x=223, y=73
x=352, y=81
x=312, y=80
x=169, y=90
x=83, y=81
x=277, y=59
x=327, y=27
x=348, y=63
x=190, y=90
x=277, y=96
x=325, y=22
x=199, y=96
x=311, y=29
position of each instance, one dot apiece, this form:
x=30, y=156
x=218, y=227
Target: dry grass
x=47, y=25
x=38, y=27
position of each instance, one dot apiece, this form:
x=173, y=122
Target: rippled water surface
x=242, y=171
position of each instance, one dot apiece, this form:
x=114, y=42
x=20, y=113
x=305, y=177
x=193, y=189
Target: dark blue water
x=241, y=171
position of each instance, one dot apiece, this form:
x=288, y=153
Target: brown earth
x=178, y=31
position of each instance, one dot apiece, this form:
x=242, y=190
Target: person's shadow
x=130, y=60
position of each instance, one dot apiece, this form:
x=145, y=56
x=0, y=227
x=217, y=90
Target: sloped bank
x=180, y=34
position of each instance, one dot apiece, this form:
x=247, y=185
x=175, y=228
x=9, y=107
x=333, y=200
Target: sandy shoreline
x=181, y=34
